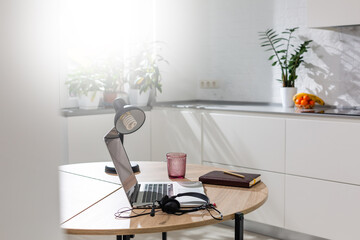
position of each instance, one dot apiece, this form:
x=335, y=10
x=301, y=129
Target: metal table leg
x=127, y=237
x=124, y=237
x=239, y=226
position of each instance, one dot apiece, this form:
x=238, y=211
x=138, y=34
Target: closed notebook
x=221, y=178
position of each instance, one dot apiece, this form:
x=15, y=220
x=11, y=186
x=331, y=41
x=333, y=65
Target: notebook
x=221, y=178
x=143, y=194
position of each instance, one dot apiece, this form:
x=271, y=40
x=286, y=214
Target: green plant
x=288, y=63
x=82, y=80
x=101, y=75
x=111, y=73
x=143, y=69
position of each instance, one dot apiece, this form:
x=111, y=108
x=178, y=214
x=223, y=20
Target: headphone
x=172, y=206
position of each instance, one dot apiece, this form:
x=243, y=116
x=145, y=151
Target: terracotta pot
x=109, y=97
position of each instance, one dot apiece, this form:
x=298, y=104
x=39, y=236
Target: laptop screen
x=121, y=161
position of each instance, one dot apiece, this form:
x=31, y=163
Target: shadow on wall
x=336, y=76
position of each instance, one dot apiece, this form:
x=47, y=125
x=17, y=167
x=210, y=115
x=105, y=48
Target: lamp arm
x=121, y=136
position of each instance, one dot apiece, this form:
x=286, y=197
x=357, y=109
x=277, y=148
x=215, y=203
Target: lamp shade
x=128, y=118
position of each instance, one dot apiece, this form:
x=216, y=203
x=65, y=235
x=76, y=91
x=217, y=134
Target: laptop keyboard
x=154, y=192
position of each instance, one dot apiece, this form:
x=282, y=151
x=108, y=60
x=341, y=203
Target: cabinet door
x=246, y=141
x=174, y=130
x=86, y=139
x=272, y=212
x=323, y=149
x=321, y=208
x=137, y=144
x=326, y=13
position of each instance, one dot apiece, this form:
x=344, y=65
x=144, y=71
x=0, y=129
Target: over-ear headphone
x=172, y=206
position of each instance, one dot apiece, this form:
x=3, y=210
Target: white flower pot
x=89, y=101
x=287, y=94
x=137, y=99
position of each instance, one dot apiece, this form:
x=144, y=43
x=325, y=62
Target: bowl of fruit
x=306, y=101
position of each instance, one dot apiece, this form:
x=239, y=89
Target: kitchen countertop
x=73, y=112
x=262, y=107
x=255, y=107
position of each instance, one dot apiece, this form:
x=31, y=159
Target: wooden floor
x=212, y=232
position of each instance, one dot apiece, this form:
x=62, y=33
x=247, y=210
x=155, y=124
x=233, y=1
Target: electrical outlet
x=209, y=84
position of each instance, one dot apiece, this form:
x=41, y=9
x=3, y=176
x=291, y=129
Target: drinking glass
x=176, y=164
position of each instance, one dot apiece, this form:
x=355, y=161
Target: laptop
x=145, y=194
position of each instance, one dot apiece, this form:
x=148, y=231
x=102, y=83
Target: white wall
x=30, y=129
x=234, y=56
x=218, y=40
x=180, y=25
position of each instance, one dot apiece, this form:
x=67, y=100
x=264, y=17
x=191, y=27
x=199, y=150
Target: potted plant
x=281, y=47
x=89, y=80
x=144, y=74
x=111, y=74
x=83, y=82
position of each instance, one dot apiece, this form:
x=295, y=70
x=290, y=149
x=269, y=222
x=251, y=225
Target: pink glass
x=176, y=164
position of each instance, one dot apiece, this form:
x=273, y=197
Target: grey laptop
x=144, y=194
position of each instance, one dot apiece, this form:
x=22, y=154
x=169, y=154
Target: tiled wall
x=225, y=38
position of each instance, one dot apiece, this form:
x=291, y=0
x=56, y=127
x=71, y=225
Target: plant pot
x=89, y=101
x=137, y=99
x=109, y=97
x=287, y=94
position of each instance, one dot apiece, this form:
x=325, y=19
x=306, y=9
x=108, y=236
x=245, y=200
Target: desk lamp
x=128, y=119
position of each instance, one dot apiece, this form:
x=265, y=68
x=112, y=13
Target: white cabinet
x=322, y=208
x=174, y=130
x=246, y=141
x=323, y=149
x=86, y=139
x=326, y=13
x=137, y=144
x=310, y=165
x=272, y=212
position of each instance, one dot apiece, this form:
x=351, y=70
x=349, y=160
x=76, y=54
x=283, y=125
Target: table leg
x=124, y=237
x=127, y=237
x=239, y=226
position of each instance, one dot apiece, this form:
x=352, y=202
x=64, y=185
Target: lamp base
x=135, y=167
x=111, y=170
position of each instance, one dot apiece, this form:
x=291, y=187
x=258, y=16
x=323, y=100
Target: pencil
x=234, y=174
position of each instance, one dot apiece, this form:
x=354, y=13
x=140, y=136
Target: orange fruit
x=306, y=97
x=304, y=102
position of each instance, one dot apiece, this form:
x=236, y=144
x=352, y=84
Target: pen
x=234, y=174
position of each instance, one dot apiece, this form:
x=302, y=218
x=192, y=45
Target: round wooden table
x=89, y=199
